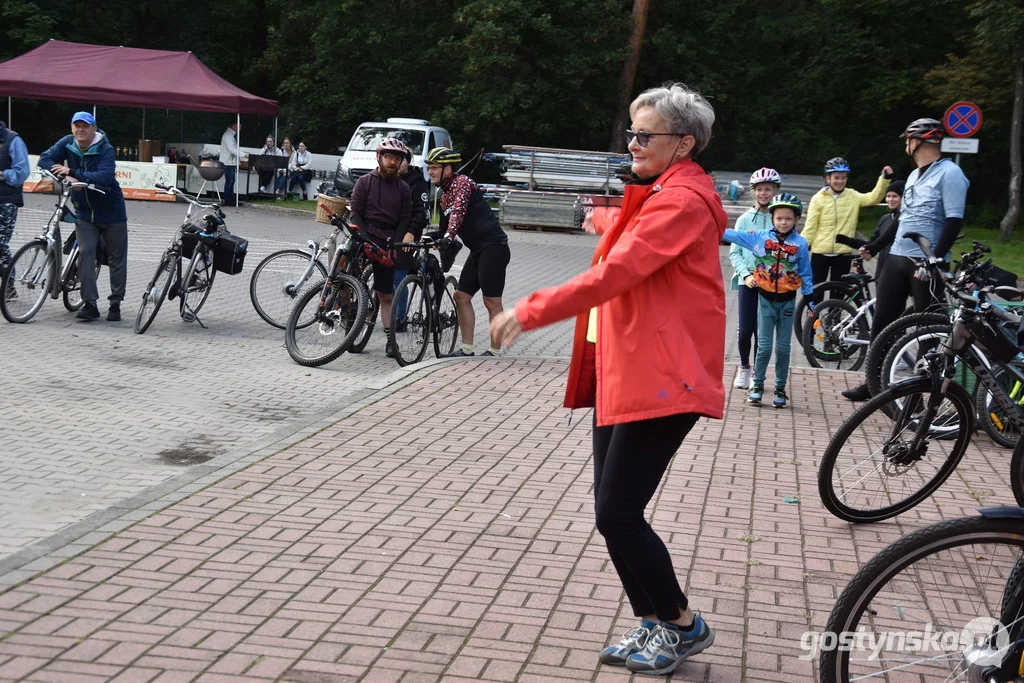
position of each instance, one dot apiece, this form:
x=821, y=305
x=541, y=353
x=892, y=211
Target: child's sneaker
x=633, y=641
x=669, y=646
x=780, y=398
x=756, y=394
x=743, y=375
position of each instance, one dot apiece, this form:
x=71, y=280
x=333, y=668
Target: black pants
x=747, y=323
x=896, y=284
x=629, y=462
x=827, y=268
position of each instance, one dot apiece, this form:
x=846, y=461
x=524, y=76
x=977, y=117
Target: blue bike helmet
x=836, y=165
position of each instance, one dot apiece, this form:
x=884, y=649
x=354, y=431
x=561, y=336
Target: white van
x=361, y=154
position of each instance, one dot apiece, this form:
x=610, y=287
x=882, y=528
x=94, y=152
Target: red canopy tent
x=126, y=77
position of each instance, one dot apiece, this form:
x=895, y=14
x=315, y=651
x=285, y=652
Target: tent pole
x=238, y=158
x=277, y=140
x=8, y=111
x=143, y=123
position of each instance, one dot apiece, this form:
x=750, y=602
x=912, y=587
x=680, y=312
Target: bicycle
x=195, y=240
x=31, y=275
x=843, y=331
x=854, y=290
x=961, y=580
x=280, y=278
x=431, y=308
x=969, y=272
x=330, y=316
x=912, y=436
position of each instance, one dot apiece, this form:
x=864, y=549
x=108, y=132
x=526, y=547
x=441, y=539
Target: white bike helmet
x=765, y=175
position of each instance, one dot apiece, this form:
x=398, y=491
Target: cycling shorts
x=485, y=270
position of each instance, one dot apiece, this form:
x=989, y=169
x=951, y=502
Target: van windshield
x=367, y=138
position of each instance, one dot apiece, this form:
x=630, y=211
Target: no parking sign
x=962, y=120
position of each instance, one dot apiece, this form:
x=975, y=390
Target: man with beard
x=382, y=208
x=419, y=188
x=933, y=206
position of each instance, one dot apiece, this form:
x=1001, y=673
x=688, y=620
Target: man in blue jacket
x=13, y=172
x=87, y=156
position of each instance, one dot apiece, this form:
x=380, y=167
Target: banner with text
x=137, y=179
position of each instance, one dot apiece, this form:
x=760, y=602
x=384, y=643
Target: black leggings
x=747, y=324
x=827, y=268
x=629, y=462
x=896, y=284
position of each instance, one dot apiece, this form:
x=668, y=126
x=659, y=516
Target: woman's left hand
x=505, y=327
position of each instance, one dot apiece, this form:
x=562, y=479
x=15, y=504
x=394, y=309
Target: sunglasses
x=643, y=139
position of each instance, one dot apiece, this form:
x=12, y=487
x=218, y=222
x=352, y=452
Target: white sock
x=467, y=348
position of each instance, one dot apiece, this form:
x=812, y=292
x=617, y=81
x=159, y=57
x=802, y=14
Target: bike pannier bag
x=229, y=254
x=189, y=240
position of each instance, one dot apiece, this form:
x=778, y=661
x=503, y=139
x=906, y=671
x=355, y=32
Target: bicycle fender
x=1002, y=512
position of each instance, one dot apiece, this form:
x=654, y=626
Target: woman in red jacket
x=648, y=354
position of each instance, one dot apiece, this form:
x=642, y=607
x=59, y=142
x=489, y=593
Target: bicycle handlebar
x=194, y=202
x=67, y=183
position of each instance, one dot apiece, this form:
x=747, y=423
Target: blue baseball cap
x=84, y=116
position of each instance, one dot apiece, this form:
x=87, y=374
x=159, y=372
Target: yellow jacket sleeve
x=876, y=195
x=813, y=221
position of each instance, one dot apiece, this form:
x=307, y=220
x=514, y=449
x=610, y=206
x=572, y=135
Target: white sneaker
x=743, y=377
x=262, y=189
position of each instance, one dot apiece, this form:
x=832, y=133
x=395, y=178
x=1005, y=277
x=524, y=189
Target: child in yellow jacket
x=833, y=211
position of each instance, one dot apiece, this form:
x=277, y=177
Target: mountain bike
x=31, y=274
x=899, y=447
x=840, y=333
x=431, y=309
x=852, y=288
x=187, y=268
x=967, y=273
x=945, y=603
x=330, y=316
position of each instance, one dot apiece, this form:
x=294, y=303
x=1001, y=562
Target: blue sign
x=962, y=120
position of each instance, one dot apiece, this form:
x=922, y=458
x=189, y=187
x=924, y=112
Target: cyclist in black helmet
x=933, y=205
x=466, y=214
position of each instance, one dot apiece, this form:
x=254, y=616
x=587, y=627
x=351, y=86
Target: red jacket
x=661, y=300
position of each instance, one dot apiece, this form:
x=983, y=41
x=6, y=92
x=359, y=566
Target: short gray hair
x=684, y=111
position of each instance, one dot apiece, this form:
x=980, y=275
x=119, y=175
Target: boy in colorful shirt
x=782, y=267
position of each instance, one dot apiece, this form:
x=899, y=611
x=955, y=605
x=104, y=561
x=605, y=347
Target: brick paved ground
x=443, y=532
x=92, y=414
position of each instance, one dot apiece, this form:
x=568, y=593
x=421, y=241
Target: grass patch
x=1007, y=255
x=302, y=204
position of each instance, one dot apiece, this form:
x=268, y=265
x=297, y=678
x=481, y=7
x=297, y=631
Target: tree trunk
x=1009, y=221
x=627, y=81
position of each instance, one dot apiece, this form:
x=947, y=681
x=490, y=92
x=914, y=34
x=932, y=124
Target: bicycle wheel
x=446, y=322
x=904, y=357
x=409, y=341
x=958, y=580
x=196, y=284
x=277, y=284
x=994, y=420
x=832, y=339
x=893, y=332
x=325, y=321
x=29, y=276
x=156, y=292
x=833, y=289
x=873, y=470
x=71, y=286
x=372, y=310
